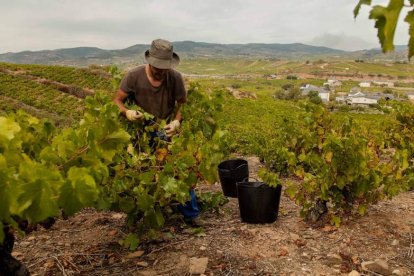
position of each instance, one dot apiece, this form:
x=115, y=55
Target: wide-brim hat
x=161, y=55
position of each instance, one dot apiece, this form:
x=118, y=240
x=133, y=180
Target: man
x=155, y=87
x=159, y=90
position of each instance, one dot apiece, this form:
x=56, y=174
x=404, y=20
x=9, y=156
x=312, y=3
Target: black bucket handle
x=236, y=168
x=246, y=180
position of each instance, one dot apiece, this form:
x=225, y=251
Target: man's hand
x=134, y=115
x=172, y=127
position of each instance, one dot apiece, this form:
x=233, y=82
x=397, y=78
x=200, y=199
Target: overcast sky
x=117, y=24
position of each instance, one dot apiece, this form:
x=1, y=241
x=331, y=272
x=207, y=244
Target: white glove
x=172, y=127
x=134, y=115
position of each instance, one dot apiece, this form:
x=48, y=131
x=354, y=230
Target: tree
x=386, y=18
x=314, y=97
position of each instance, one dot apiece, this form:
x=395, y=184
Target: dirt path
x=87, y=244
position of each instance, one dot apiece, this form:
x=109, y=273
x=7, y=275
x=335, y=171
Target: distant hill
x=83, y=56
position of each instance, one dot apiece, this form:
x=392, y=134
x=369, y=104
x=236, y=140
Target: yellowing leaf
x=161, y=154
x=8, y=128
x=328, y=156
x=336, y=221
x=362, y=209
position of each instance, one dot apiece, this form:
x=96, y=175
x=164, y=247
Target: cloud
x=108, y=24
x=342, y=42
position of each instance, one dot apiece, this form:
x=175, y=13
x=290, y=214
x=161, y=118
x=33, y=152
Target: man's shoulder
x=137, y=70
x=175, y=74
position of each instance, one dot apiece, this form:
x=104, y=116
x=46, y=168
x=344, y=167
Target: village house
x=332, y=83
x=410, y=95
x=322, y=93
x=360, y=98
x=365, y=84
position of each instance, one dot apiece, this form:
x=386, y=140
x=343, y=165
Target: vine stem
x=80, y=152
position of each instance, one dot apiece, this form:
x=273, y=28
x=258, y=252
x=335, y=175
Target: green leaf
x=410, y=20
x=199, y=232
x=358, y=7
x=113, y=140
x=170, y=185
x=386, y=22
x=147, y=177
x=126, y=204
x=335, y=220
x=8, y=187
x=38, y=199
x=404, y=156
x=8, y=128
x=291, y=190
x=79, y=191
x=145, y=201
x=154, y=217
x=131, y=241
x=362, y=209
x=159, y=217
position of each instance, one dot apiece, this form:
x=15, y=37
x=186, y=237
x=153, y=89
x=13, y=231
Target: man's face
x=157, y=73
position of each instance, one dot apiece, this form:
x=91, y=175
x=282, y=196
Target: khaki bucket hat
x=161, y=55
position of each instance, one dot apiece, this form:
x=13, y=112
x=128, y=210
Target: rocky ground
x=380, y=243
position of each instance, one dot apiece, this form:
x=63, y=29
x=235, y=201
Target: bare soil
x=87, y=243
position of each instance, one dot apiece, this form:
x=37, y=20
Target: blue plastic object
x=190, y=209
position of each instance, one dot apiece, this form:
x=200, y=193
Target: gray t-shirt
x=158, y=101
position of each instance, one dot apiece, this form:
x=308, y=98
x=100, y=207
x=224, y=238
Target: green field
x=320, y=67
x=33, y=87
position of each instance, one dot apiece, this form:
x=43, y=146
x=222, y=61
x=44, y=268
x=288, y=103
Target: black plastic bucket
x=258, y=202
x=230, y=172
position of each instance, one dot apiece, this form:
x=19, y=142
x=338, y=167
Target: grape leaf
x=7, y=188
x=131, y=241
x=127, y=204
x=386, y=22
x=358, y=7
x=410, y=20
x=79, y=190
x=8, y=128
x=38, y=199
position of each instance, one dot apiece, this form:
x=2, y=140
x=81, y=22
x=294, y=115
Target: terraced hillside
x=53, y=92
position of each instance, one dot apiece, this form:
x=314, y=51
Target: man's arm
x=132, y=115
x=178, y=115
x=175, y=124
x=119, y=100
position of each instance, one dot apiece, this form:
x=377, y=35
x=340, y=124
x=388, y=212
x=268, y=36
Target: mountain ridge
x=83, y=56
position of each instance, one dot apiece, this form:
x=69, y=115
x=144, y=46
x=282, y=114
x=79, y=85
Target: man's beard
x=158, y=77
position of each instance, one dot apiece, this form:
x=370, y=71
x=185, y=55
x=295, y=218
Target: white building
x=356, y=94
x=365, y=84
x=324, y=96
x=410, y=95
x=322, y=93
x=332, y=83
x=340, y=99
x=361, y=98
